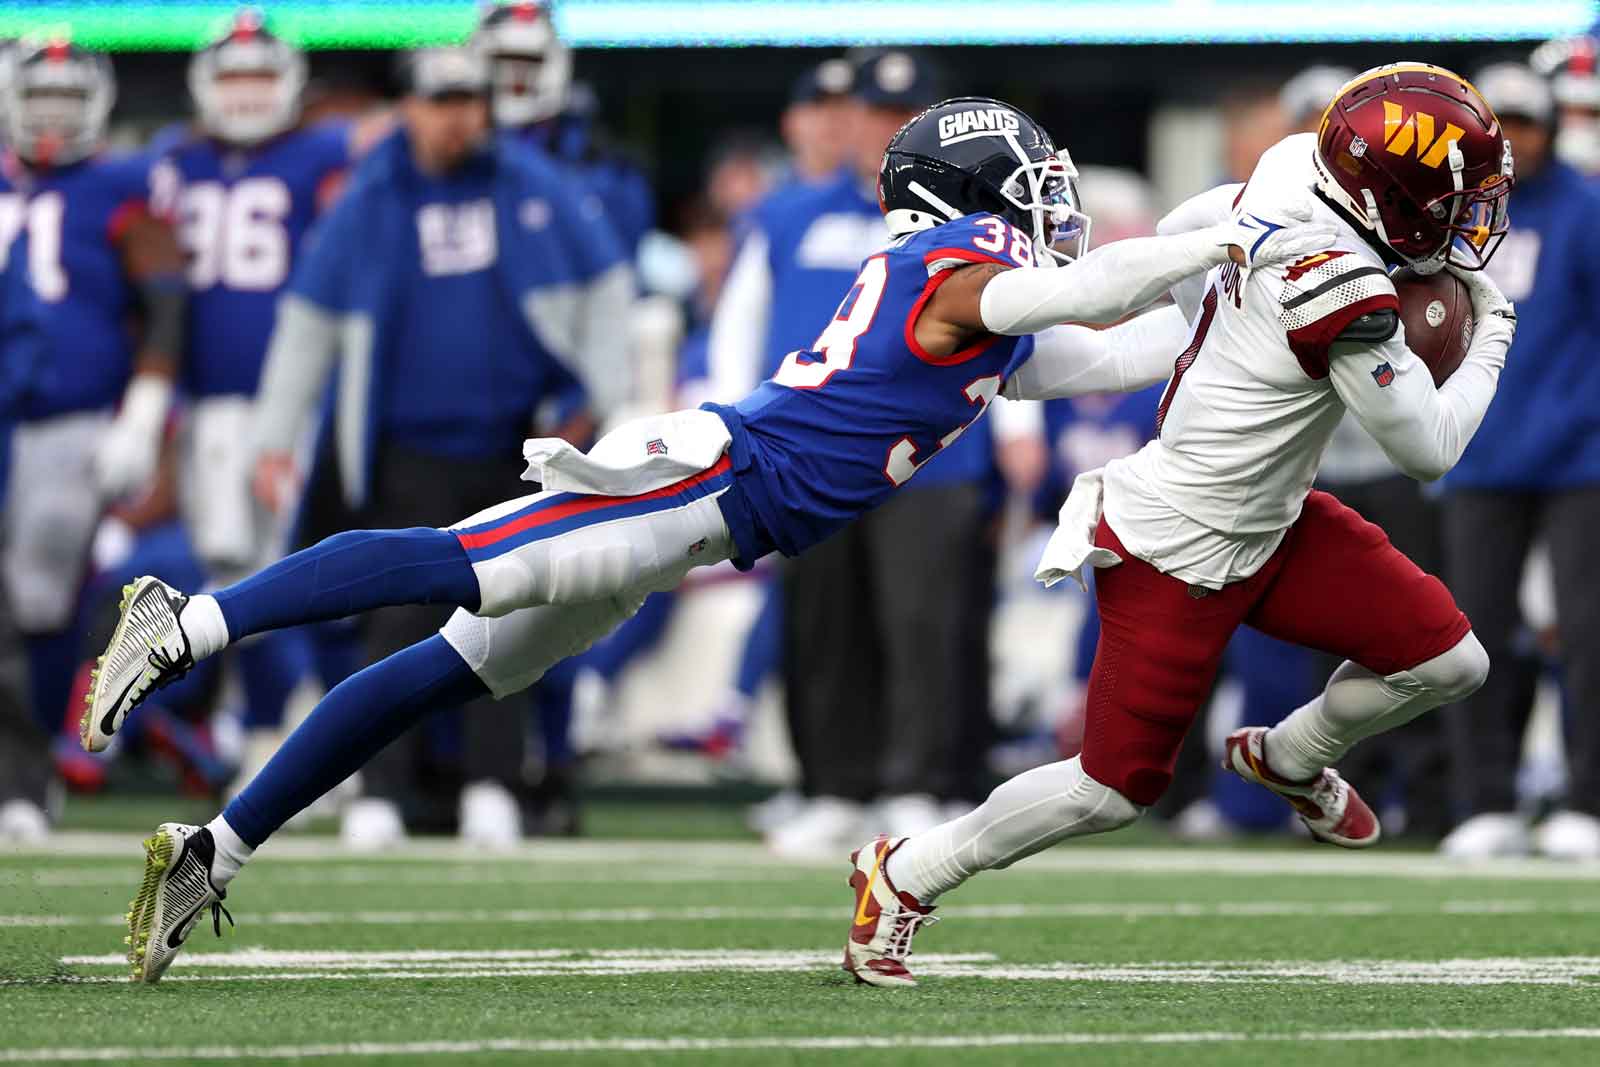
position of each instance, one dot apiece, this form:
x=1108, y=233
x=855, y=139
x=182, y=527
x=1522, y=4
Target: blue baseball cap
x=896, y=79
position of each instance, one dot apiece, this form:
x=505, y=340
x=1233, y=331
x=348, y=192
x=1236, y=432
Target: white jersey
x=1251, y=405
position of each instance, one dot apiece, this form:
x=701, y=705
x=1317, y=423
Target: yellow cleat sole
x=157, y=858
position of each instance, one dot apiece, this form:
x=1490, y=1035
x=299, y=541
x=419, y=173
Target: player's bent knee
x=1105, y=808
x=1457, y=673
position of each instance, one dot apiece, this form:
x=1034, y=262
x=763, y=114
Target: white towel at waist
x=1072, y=545
x=640, y=456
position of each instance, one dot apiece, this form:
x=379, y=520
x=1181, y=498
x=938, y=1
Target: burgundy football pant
x=1335, y=584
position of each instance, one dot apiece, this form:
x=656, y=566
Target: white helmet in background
x=530, y=67
x=56, y=98
x=246, y=84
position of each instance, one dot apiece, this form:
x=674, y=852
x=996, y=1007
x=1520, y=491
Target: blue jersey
x=1543, y=430
x=74, y=217
x=845, y=423
x=241, y=215
x=628, y=201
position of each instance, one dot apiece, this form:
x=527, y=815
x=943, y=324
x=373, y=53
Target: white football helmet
x=531, y=68
x=246, y=84
x=57, y=99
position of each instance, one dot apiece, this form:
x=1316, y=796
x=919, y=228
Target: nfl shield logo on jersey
x=1383, y=374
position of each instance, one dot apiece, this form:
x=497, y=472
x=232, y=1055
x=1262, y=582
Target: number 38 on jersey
x=891, y=403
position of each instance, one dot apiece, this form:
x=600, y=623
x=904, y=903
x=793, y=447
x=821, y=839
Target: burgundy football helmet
x=1413, y=153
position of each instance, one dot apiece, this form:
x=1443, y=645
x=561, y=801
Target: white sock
x=202, y=622
x=1028, y=814
x=232, y=852
x=1358, y=704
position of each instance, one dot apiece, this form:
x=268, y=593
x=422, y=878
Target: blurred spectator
x=815, y=125
x=533, y=95
x=888, y=671
x=457, y=277
x=25, y=771
x=244, y=188
x=1532, y=472
x=1571, y=65
x=96, y=259
x=1252, y=122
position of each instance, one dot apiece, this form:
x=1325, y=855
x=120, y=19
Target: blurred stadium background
x=695, y=125
x=720, y=756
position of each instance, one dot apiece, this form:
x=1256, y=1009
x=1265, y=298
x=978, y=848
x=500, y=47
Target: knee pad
x=1107, y=808
x=1455, y=674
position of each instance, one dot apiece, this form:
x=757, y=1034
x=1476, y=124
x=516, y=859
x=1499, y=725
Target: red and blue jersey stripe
x=558, y=513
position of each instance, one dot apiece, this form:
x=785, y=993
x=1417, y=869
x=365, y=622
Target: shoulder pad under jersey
x=1324, y=295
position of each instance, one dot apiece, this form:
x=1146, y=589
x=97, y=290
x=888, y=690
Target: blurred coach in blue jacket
x=1533, y=473
x=459, y=283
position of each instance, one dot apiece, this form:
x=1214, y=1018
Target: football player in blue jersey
x=535, y=98
x=244, y=190
x=97, y=258
x=954, y=310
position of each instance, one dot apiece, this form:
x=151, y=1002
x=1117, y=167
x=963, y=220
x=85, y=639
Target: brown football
x=1436, y=310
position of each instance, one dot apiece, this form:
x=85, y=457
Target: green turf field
x=684, y=952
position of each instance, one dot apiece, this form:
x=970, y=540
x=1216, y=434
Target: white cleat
x=824, y=827
x=1569, y=835
x=490, y=816
x=148, y=650
x=908, y=814
x=885, y=919
x=176, y=890
x=371, y=824
x=23, y=821
x=1328, y=805
x=1488, y=836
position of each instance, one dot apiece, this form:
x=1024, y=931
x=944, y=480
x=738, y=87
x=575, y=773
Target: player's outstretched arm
x=1122, y=277
x=1196, y=213
x=1076, y=360
x=1421, y=429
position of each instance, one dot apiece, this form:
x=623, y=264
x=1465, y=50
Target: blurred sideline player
x=1214, y=524
x=97, y=257
x=937, y=324
x=244, y=191
x=533, y=95
x=1533, y=475
x=1572, y=64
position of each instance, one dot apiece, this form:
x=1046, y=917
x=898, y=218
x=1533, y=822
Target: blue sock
x=350, y=573
x=269, y=669
x=351, y=725
x=763, y=645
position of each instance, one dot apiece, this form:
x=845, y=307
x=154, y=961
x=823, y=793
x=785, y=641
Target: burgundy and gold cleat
x=885, y=919
x=1329, y=806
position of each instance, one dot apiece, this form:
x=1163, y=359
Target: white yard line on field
x=680, y=855
x=277, y=874
x=265, y=965
x=1078, y=910
x=419, y=1049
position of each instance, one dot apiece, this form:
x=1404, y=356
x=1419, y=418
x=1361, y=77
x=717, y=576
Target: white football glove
x=1289, y=235
x=127, y=457
x=1490, y=308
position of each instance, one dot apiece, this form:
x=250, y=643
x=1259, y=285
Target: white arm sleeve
x=737, y=345
x=1103, y=286
x=300, y=354
x=1423, y=430
x=1196, y=213
x=1075, y=360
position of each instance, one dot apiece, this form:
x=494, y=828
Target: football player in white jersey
x=1214, y=524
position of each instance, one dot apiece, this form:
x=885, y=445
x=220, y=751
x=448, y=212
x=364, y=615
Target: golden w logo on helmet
x=1401, y=132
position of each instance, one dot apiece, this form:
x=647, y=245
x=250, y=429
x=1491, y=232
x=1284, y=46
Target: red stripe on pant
x=582, y=504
